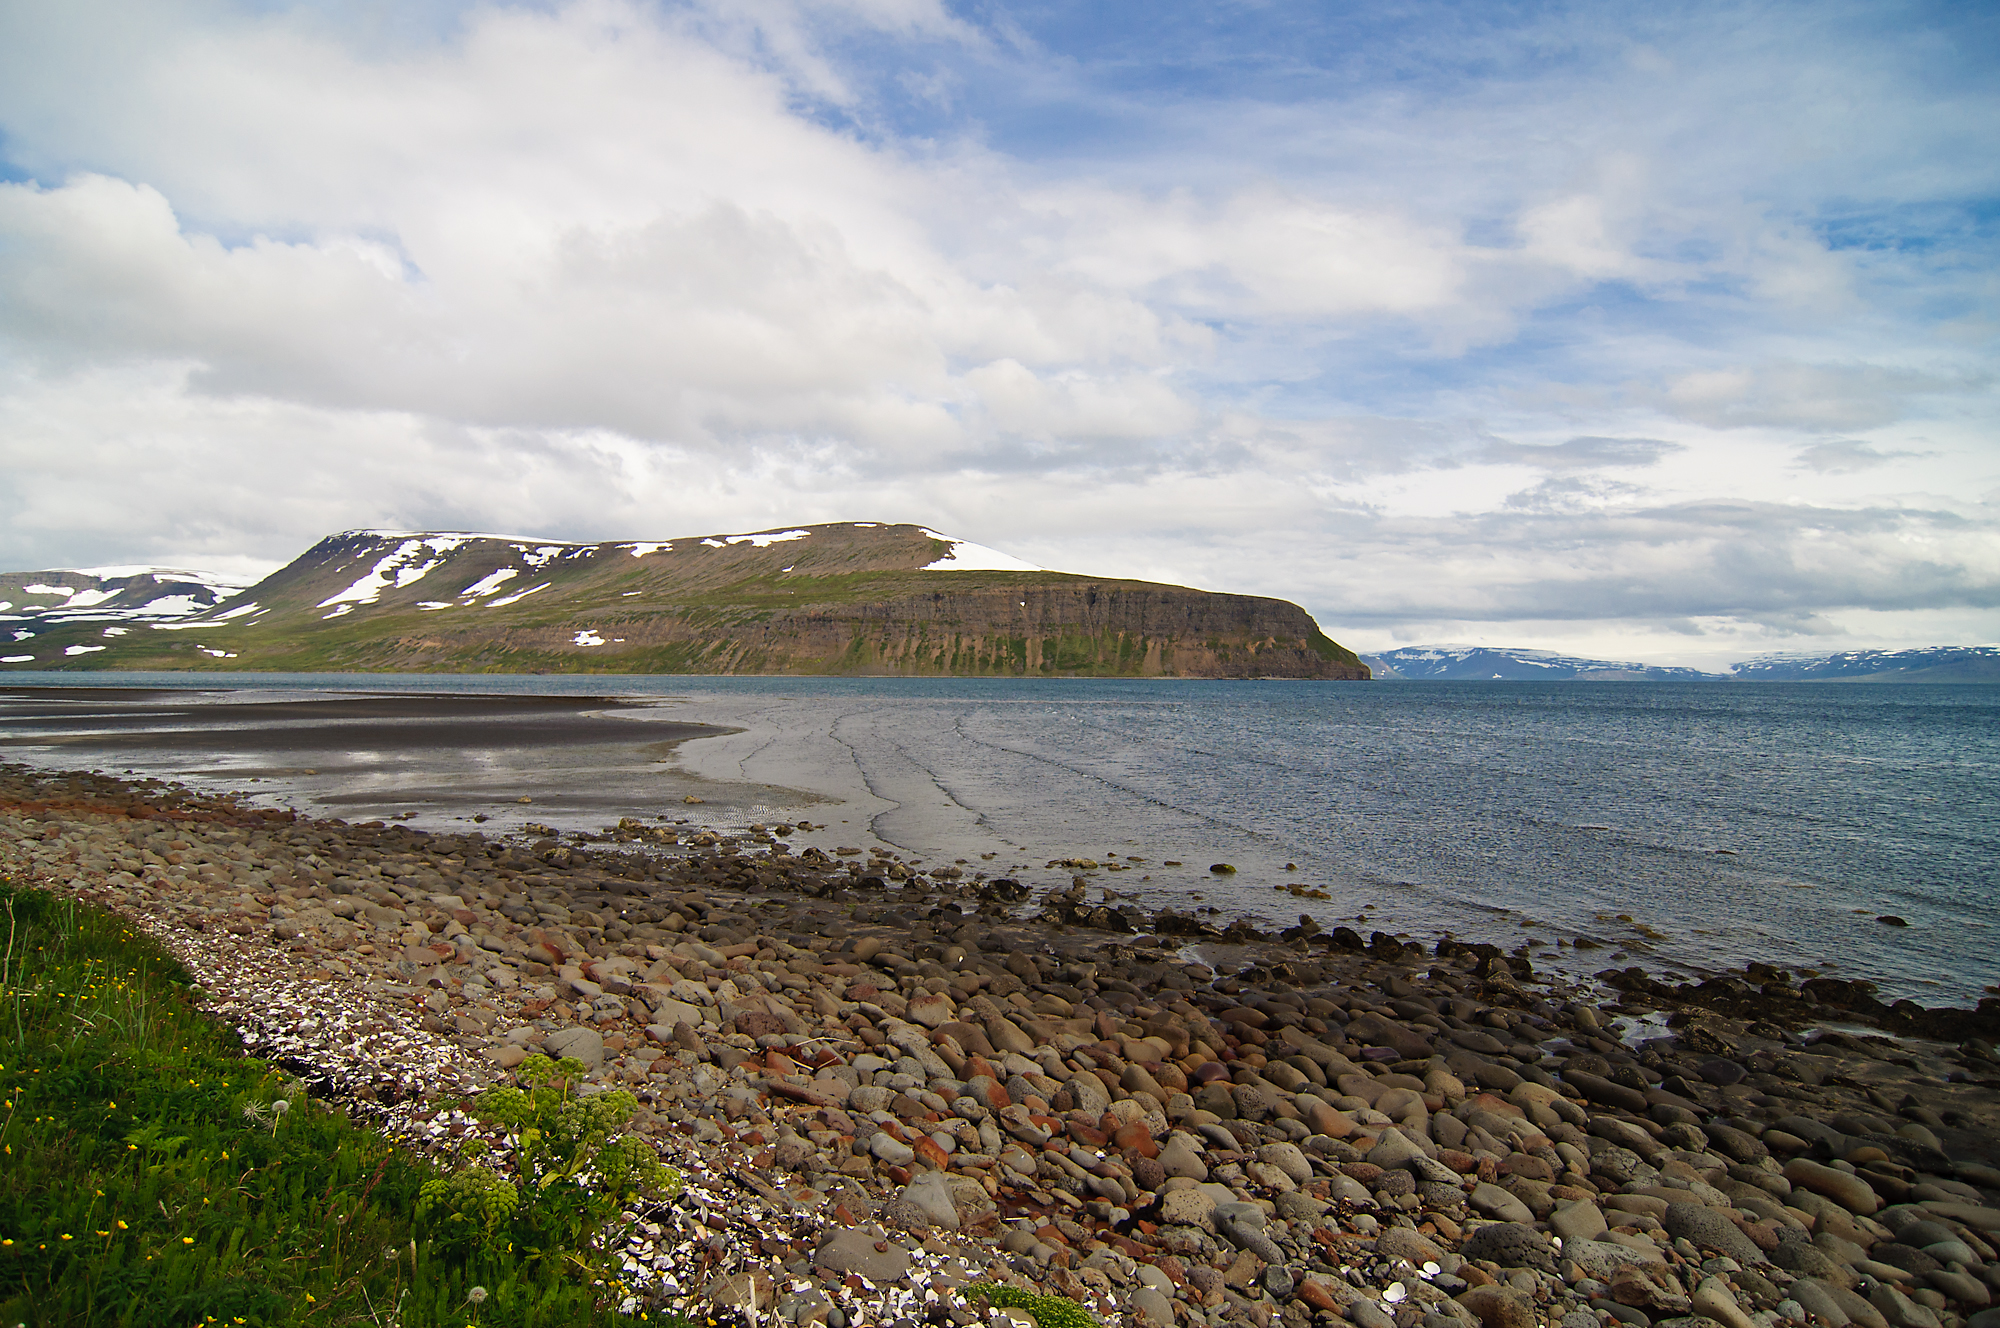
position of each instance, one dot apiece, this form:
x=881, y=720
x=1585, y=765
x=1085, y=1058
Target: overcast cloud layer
x=1658, y=332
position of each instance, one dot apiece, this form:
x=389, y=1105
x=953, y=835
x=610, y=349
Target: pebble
x=880, y=1093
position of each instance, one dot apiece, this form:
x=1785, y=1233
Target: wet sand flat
x=430, y=757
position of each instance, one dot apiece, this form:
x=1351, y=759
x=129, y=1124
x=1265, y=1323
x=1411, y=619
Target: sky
x=1656, y=332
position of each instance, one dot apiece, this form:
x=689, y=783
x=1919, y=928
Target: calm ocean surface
x=1724, y=821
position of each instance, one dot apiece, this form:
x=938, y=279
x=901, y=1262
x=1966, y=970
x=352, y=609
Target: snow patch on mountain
x=1465, y=663
x=517, y=596
x=1922, y=664
x=765, y=541
x=489, y=583
x=398, y=569
x=965, y=556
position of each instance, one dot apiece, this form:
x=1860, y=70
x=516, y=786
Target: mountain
x=1502, y=663
x=1928, y=664
x=1508, y=664
x=853, y=598
x=113, y=600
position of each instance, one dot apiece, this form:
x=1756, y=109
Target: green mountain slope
x=855, y=598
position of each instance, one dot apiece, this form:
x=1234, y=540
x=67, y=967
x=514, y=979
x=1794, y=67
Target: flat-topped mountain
x=858, y=598
x=1923, y=664
x=1509, y=664
x=1449, y=663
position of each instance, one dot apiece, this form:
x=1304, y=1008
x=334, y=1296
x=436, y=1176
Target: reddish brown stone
x=1134, y=1136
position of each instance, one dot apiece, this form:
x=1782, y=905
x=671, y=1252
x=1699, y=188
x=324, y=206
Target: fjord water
x=1678, y=825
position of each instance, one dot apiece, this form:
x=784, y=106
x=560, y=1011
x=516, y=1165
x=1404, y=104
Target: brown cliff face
x=853, y=599
x=1090, y=628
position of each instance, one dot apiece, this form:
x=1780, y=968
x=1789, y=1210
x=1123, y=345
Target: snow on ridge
x=460, y=535
x=765, y=541
x=965, y=556
x=221, y=583
x=397, y=565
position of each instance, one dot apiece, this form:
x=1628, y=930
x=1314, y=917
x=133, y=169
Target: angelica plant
x=574, y=1171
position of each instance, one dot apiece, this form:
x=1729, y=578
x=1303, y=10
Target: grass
x=153, y=1175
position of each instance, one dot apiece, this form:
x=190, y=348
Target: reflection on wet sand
x=427, y=757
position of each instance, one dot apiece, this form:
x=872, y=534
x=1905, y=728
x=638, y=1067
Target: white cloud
x=1811, y=397
x=1467, y=351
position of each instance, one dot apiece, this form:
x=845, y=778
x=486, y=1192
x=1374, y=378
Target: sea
x=1845, y=829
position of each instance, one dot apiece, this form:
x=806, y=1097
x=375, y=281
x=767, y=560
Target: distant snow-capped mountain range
x=1458, y=663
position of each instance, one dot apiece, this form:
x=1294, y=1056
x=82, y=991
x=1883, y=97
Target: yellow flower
x=122, y=1226
x=6, y=1242
x=187, y=1240
x=65, y=1235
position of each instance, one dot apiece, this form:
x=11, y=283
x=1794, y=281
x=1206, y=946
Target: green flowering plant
x=473, y=1208
x=575, y=1172
x=1046, y=1311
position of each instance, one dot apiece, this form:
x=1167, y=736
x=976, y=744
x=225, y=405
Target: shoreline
x=919, y=1089
x=731, y=777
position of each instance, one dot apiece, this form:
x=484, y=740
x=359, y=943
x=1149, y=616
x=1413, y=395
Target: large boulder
x=1511, y=1245
x=1708, y=1228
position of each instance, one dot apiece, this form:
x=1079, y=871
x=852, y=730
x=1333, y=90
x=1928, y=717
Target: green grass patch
x=152, y=1175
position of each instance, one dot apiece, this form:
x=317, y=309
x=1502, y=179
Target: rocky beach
x=886, y=1080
